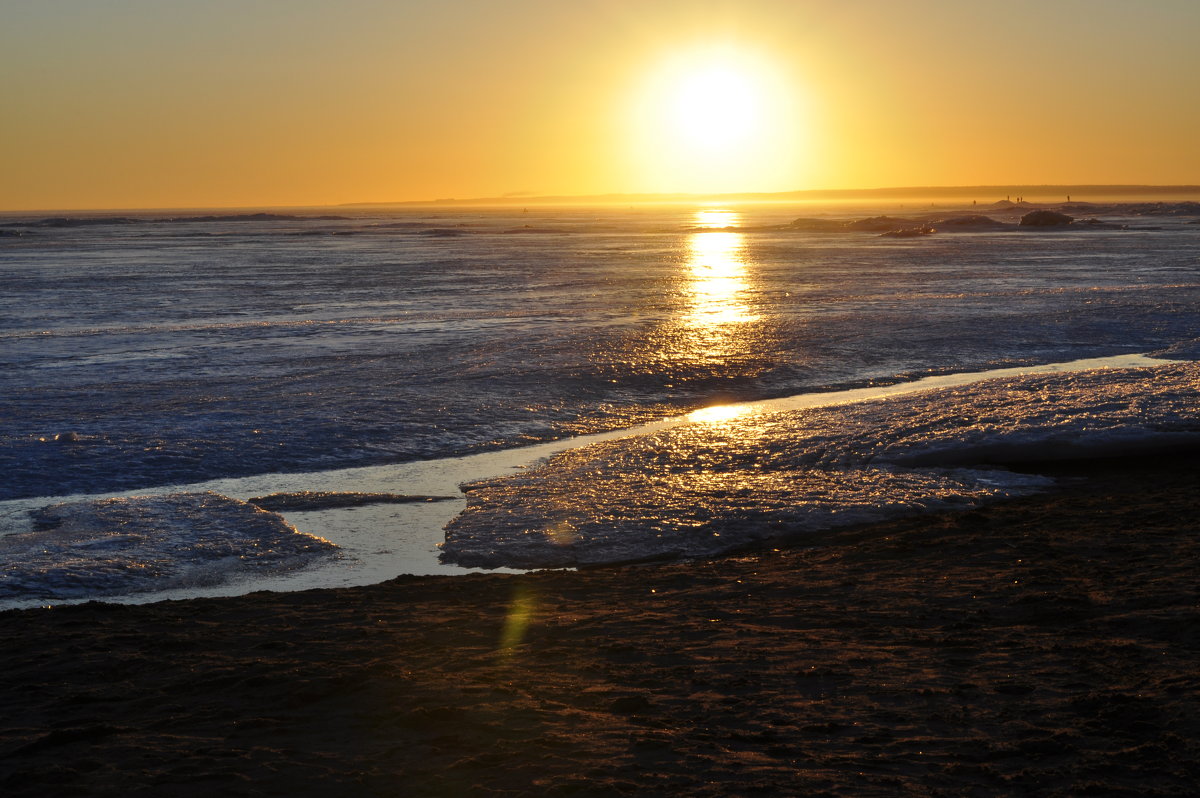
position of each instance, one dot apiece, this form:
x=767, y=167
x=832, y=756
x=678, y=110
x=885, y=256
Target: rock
x=881, y=224
x=971, y=222
x=1045, y=219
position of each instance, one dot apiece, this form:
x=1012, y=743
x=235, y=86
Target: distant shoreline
x=965, y=194
x=1090, y=193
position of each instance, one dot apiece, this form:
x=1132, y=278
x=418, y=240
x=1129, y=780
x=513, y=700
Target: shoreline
x=383, y=540
x=1041, y=645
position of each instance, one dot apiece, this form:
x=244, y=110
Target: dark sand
x=1044, y=646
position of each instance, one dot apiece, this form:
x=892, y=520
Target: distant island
x=981, y=194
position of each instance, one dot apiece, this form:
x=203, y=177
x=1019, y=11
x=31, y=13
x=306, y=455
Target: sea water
x=365, y=349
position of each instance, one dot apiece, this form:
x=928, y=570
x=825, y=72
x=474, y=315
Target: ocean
x=159, y=369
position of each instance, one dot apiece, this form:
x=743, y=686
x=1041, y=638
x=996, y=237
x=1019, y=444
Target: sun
x=715, y=119
x=715, y=108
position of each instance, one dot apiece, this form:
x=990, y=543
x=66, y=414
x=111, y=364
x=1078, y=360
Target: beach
x=410, y=400
x=1043, y=645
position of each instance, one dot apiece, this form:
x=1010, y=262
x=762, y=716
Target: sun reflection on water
x=718, y=414
x=717, y=274
x=714, y=218
x=714, y=337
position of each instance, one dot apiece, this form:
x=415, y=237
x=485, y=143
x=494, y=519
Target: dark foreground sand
x=1046, y=646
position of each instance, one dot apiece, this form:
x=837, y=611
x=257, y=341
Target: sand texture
x=1046, y=645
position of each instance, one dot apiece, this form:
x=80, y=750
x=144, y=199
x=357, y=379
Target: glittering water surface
x=182, y=351
x=752, y=474
x=146, y=353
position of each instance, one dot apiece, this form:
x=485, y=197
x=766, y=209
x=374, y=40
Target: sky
x=112, y=104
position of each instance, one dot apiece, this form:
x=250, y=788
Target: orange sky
x=208, y=103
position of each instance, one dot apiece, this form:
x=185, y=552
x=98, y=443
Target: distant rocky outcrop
x=970, y=222
x=883, y=224
x=1045, y=218
x=1033, y=217
x=899, y=227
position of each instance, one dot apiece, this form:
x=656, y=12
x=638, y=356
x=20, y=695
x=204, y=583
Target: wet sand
x=1042, y=646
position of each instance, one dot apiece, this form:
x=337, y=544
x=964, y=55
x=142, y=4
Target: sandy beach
x=1041, y=646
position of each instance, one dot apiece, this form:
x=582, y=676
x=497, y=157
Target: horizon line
x=895, y=192
x=1132, y=189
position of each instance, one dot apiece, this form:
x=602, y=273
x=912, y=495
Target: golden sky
x=211, y=103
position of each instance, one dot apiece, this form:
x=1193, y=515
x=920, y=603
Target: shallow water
x=185, y=351
x=378, y=541
x=371, y=353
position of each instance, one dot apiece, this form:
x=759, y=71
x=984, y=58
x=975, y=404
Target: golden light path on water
x=716, y=285
x=718, y=272
x=713, y=325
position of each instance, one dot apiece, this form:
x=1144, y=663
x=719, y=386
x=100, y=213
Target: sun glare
x=716, y=108
x=716, y=119
x=717, y=280
x=718, y=414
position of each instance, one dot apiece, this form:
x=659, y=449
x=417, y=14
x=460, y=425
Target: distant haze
x=228, y=103
x=945, y=194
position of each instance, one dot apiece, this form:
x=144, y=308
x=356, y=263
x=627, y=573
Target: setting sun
x=189, y=104
x=716, y=117
x=716, y=108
